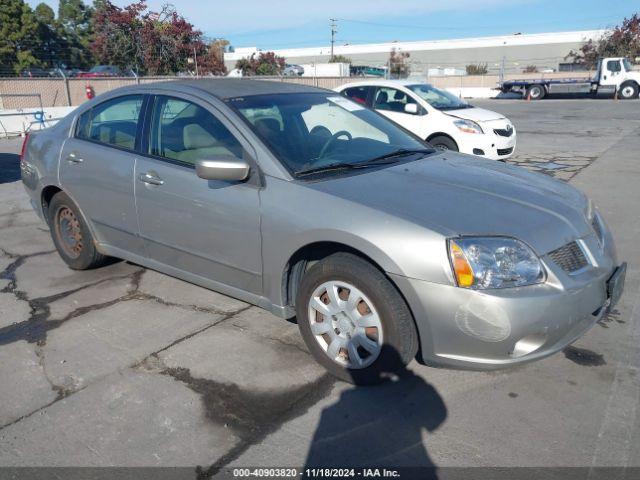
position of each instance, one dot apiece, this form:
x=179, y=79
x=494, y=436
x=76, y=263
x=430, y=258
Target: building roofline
x=450, y=44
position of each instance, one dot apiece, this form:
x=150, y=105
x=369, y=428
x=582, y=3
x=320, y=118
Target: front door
x=392, y=102
x=611, y=73
x=96, y=170
x=206, y=228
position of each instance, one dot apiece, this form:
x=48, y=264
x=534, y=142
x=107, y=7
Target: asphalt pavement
x=124, y=366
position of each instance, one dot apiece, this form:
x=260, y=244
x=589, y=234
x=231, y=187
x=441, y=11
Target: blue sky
x=300, y=23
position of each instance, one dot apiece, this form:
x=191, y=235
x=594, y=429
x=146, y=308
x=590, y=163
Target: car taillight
x=24, y=147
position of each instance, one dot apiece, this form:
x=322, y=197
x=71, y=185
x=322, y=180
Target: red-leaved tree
x=153, y=43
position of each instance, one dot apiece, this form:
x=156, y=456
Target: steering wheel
x=334, y=137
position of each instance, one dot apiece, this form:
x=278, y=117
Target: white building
x=517, y=51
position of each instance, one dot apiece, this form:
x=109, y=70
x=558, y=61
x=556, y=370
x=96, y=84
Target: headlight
x=494, y=262
x=468, y=126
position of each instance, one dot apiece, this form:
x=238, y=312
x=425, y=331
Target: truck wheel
x=440, y=142
x=628, y=90
x=536, y=92
x=71, y=235
x=354, y=321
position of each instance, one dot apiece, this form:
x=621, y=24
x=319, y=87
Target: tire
x=628, y=91
x=441, y=142
x=72, y=236
x=375, y=299
x=536, y=92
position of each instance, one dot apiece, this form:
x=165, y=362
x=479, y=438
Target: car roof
x=224, y=88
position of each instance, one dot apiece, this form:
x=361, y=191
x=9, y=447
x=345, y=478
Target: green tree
x=340, y=59
x=398, y=66
x=45, y=14
x=74, y=24
x=19, y=39
x=267, y=63
x=477, y=69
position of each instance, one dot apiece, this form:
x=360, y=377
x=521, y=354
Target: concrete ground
x=123, y=366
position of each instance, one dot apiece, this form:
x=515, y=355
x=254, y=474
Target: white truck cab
x=439, y=117
x=617, y=72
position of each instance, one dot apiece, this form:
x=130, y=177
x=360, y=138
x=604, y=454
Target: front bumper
x=487, y=329
x=492, y=145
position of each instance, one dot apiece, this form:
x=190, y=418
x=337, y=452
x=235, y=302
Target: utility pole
x=195, y=59
x=334, y=30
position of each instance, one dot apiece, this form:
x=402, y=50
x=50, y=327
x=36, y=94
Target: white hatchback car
x=437, y=116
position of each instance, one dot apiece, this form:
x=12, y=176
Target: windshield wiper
x=385, y=159
x=403, y=152
x=332, y=167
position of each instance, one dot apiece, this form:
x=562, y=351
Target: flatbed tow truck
x=614, y=77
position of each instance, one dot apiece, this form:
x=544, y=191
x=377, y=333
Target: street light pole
x=334, y=30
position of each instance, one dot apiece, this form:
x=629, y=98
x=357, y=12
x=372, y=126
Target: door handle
x=73, y=158
x=150, y=179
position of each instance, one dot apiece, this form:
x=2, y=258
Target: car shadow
x=380, y=426
x=9, y=167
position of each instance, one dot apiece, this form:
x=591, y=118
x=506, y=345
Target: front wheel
x=354, y=321
x=441, y=142
x=628, y=91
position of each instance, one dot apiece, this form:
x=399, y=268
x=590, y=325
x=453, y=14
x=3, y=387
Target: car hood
x=455, y=194
x=475, y=114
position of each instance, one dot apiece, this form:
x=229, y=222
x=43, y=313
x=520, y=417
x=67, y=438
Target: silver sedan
x=310, y=205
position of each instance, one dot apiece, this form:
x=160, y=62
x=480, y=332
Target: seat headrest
x=398, y=95
x=194, y=136
x=382, y=97
x=267, y=126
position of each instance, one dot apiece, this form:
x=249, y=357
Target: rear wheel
x=441, y=142
x=536, y=92
x=71, y=235
x=354, y=321
x=628, y=90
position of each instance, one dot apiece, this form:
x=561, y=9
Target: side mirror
x=411, y=108
x=223, y=167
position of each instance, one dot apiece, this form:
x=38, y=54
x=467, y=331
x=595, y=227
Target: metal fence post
x=66, y=86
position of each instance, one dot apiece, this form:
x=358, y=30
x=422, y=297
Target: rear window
x=114, y=122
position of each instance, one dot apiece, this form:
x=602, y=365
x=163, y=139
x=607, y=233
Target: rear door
x=96, y=169
x=206, y=228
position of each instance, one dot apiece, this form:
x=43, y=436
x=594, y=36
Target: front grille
x=503, y=132
x=569, y=257
x=595, y=224
x=505, y=151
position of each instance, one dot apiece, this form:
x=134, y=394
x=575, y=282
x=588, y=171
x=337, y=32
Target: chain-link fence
x=62, y=92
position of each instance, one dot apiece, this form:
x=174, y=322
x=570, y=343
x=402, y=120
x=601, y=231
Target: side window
x=186, y=132
x=358, y=94
x=613, y=66
x=83, y=124
x=391, y=99
x=113, y=122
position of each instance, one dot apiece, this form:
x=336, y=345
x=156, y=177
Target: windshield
x=310, y=131
x=627, y=65
x=438, y=99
